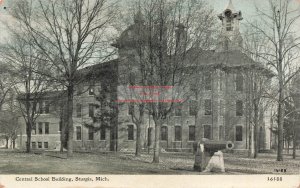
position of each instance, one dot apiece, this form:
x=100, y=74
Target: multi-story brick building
x=218, y=111
x=46, y=130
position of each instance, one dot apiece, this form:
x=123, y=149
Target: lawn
x=17, y=162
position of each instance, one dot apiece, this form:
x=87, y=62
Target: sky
x=246, y=6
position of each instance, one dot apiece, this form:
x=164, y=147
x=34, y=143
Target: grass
x=14, y=162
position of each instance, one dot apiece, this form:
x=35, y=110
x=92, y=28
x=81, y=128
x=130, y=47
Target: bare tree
x=24, y=64
x=292, y=113
x=170, y=29
x=259, y=92
x=9, y=127
x=70, y=35
x=277, y=24
x=9, y=116
x=7, y=81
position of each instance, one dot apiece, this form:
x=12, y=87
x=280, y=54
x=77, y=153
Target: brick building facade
x=218, y=111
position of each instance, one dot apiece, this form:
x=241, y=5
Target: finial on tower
x=230, y=6
x=230, y=12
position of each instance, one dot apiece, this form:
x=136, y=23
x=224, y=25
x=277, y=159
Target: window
x=47, y=107
x=46, y=127
x=239, y=108
x=91, y=110
x=239, y=133
x=35, y=107
x=222, y=108
x=130, y=132
x=207, y=81
x=239, y=80
x=150, y=129
x=226, y=44
x=40, y=145
x=91, y=133
x=164, y=133
x=102, y=133
x=78, y=110
x=207, y=106
x=78, y=133
x=131, y=78
x=178, y=111
x=130, y=109
x=192, y=133
x=207, y=131
x=177, y=133
x=193, y=108
x=91, y=90
x=33, y=144
x=45, y=144
x=41, y=110
x=221, y=80
x=33, y=131
x=60, y=126
x=40, y=128
x=221, y=132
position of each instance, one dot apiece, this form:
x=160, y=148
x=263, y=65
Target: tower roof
x=230, y=6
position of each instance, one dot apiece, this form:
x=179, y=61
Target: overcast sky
x=246, y=6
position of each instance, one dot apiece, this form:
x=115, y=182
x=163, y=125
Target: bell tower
x=230, y=37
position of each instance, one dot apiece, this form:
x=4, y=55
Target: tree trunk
x=70, y=120
x=62, y=136
x=156, y=142
x=138, y=140
x=280, y=126
x=6, y=143
x=14, y=143
x=28, y=132
x=256, y=130
x=138, y=131
x=294, y=146
x=251, y=142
